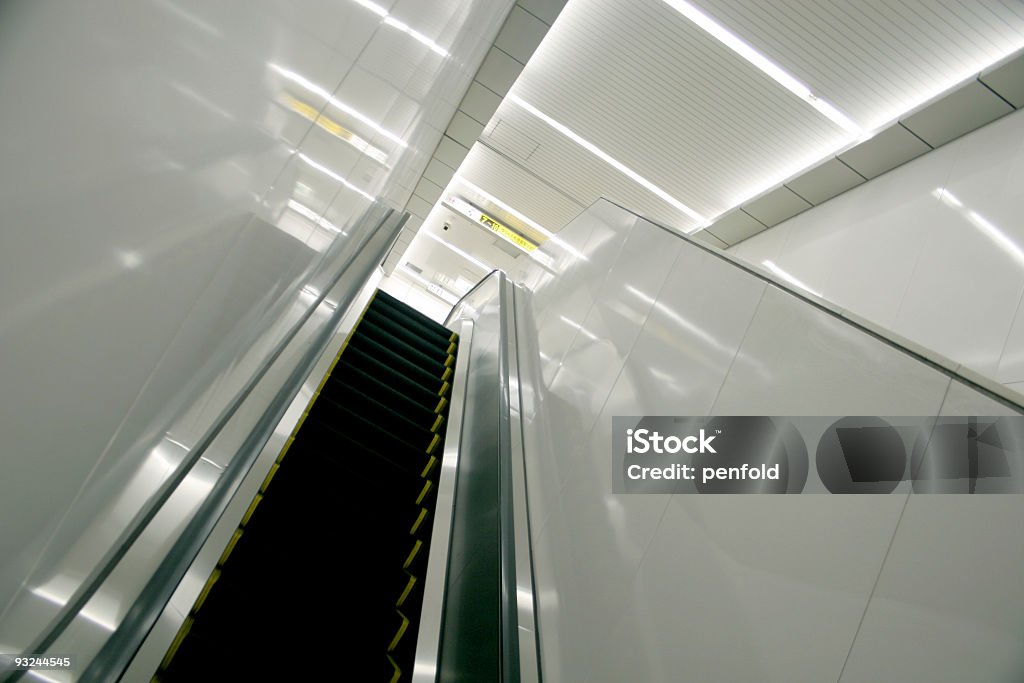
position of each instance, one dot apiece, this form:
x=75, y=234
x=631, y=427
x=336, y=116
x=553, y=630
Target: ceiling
x=684, y=110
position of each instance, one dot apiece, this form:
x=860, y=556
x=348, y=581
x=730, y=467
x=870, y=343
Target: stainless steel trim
x=485, y=278
x=428, y=638
x=509, y=614
x=525, y=595
x=117, y=652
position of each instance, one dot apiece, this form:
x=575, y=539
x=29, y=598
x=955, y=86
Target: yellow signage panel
x=509, y=234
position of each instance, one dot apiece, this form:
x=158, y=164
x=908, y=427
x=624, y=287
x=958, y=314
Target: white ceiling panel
x=524, y=191
x=668, y=100
x=685, y=109
x=876, y=59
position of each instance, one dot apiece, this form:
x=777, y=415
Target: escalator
x=340, y=529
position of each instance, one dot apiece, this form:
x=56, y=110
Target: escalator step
x=329, y=408
x=382, y=324
x=379, y=368
x=405, y=329
x=341, y=420
x=385, y=300
x=425, y=376
x=429, y=359
x=359, y=478
x=423, y=411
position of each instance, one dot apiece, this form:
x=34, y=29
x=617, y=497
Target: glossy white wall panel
x=946, y=271
x=740, y=588
x=946, y=288
x=962, y=400
x=150, y=259
x=650, y=587
x=819, y=365
x=947, y=604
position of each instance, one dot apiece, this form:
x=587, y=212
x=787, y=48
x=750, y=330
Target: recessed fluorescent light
x=608, y=159
x=328, y=172
x=401, y=26
x=789, y=278
x=458, y=251
x=767, y=66
x=317, y=90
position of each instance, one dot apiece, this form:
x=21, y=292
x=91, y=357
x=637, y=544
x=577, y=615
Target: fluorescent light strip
x=765, y=65
x=458, y=251
x=402, y=26
x=317, y=90
x=533, y=224
x=608, y=159
x=328, y=172
x=789, y=278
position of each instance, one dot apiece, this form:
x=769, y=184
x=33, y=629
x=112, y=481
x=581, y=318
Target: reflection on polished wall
x=933, y=250
x=740, y=588
x=181, y=181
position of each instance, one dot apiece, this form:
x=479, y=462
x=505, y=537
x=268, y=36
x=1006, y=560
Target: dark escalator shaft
x=356, y=481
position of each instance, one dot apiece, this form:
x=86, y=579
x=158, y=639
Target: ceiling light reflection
x=997, y=236
x=312, y=215
x=460, y=252
x=328, y=172
x=401, y=26
x=317, y=90
x=611, y=161
x=790, y=278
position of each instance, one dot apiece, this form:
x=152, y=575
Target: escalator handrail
x=462, y=299
x=119, y=649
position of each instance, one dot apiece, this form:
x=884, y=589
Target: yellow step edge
x=187, y=625
x=408, y=589
x=270, y=475
x=231, y=546
x=437, y=423
x=251, y=509
x=449, y=360
x=440, y=405
x=397, y=676
x=451, y=349
x=426, y=489
x=447, y=374
x=429, y=466
x=176, y=643
x=443, y=390
x=412, y=554
x=401, y=632
x=453, y=337
x=419, y=520
x=433, y=444
x=203, y=594
x=287, y=445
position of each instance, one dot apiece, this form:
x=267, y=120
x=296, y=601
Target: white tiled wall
x=739, y=588
x=169, y=208
x=933, y=250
